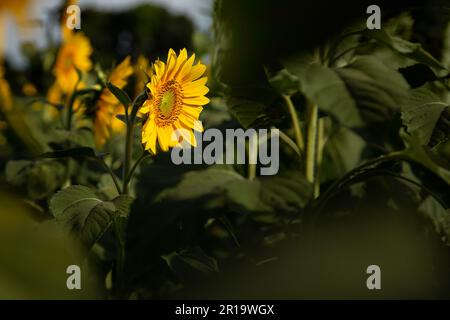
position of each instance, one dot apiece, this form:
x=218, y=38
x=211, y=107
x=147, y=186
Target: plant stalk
x=311, y=142
x=295, y=122
x=128, y=154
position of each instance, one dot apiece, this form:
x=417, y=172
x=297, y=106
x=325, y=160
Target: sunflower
x=108, y=106
x=178, y=91
x=74, y=54
x=6, y=100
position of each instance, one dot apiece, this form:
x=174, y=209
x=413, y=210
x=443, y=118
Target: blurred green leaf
x=120, y=94
x=34, y=258
x=411, y=50
x=83, y=213
x=285, y=192
x=38, y=179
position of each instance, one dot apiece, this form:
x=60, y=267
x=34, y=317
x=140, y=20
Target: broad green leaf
x=364, y=91
x=83, y=213
x=285, y=192
x=121, y=95
x=411, y=50
x=325, y=88
x=342, y=153
x=377, y=90
x=421, y=113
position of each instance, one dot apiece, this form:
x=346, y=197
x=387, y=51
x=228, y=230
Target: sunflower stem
x=321, y=140
x=311, y=142
x=128, y=154
x=136, y=164
x=295, y=122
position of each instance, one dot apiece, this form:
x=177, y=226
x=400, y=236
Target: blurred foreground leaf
x=34, y=258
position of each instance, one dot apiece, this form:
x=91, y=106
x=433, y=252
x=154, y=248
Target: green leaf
x=79, y=152
x=324, y=87
x=417, y=153
x=285, y=192
x=39, y=179
x=342, y=153
x=377, y=90
x=120, y=94
x=421, y=113
x=364, y=91
x=438, y=215
x=408, y=49
x=35, y=256
x=123, y=205
x=284, y=82
x=83, y=213
x=193, y=259
x=122, y=118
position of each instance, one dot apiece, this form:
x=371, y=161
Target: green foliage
x=29, y=250
x=120, y=94
x=413, y=51
x=421, y=113
x=84, y=214
x=364, y=125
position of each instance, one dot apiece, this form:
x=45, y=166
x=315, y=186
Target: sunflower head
x=108, y=106
x=178, y=90
x=74, y=53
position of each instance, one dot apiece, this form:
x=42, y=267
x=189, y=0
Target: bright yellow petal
x=197, y=92
x=186, y=68
x=196, y=101
x=195, y=84
x=196, y=72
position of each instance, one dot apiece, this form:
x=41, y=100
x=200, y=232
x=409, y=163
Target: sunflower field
x=118, y=179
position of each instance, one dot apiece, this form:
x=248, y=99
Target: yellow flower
x=178, y=91
x=74, y=53
x=142, y=69
x=14, y=6
x=29, y=89
x=108, y=106
x=6, y=100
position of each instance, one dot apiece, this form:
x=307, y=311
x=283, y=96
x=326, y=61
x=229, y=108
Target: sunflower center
x=167, y=103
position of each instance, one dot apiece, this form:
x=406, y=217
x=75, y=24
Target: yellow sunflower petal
x=151, y=143
x=164, y=137
x=196, y=92
x=186, y=68
x=196, y=72
x=195, y=84
x=196, y=100
x=171, y=63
